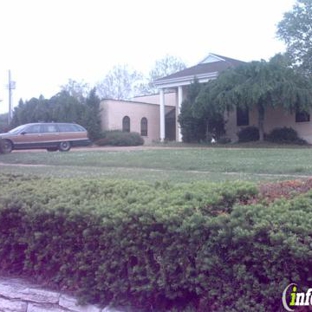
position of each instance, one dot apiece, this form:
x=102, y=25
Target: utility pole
x=11, y=86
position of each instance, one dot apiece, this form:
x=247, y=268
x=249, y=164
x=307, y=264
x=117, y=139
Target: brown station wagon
x=50, y=136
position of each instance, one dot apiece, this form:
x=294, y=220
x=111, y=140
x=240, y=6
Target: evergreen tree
x=92, y=118
x=192, y=124
x=66, y=108
x=200, y=119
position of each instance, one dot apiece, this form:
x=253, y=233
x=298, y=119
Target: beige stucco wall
x=171, y=99
x=274, y=118
x=231, y=127
x=114, y=111
x=279, y=118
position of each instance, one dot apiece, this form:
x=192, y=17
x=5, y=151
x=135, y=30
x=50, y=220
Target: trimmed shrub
x=157, y=247
x=248, y=134
x=120, y=138
x=224, y=140
x=285, y=135
x=109, y=241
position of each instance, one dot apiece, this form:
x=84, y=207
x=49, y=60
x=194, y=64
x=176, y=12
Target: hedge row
x=284, y=135
x=119, y=138
x=156, y=247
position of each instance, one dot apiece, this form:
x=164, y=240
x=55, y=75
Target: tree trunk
x=207, y=130
x=261, y=121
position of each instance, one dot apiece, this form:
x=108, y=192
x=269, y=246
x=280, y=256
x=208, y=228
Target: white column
x=162, y=115
x=178, y=110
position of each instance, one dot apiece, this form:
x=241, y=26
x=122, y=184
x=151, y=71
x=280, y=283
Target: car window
x=67, y=128
x=48, y=128
x=17, y=130
x=70, y=128
x=79, y=128
x=32, y=129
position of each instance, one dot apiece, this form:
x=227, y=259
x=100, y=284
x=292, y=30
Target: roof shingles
x=203, y=68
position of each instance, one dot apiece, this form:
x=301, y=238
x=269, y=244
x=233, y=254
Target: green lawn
x=170, y=164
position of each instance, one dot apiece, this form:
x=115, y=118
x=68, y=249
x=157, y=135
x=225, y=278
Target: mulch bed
x=269, y=192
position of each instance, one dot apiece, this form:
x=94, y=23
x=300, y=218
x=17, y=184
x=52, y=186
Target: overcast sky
x=47, y=42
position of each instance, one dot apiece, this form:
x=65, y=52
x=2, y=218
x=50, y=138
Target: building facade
x=208, y=69
x=155, y=117
x=136, y=116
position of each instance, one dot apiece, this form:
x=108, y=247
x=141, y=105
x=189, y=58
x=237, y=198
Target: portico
x=207, y=69
x=179, y=99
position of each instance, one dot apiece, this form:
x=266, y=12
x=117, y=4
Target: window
x=126, y=124
x=68, y=128
x=302, y=117
x=78, y=128
x=49, y=128
x=144, y=126
x=242, y=117
x=33, y=129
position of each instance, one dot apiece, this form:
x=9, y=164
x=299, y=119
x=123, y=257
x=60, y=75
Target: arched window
x=126, y=124
x=144, y=126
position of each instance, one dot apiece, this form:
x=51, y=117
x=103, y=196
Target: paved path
x=18, y=295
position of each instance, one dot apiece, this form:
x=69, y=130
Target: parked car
x=50, y=136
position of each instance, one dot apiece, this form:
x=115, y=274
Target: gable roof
x=207, y=69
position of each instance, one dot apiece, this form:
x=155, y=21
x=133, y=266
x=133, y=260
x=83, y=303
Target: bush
x=284, y=135
x=224, y=140
x=159, y=246
x=248, y=134
x=114, y=241
x=120, y=138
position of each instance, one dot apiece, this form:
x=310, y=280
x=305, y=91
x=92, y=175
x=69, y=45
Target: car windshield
x=17, y=130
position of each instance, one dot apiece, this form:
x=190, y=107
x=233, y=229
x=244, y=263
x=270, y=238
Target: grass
x=170, y=164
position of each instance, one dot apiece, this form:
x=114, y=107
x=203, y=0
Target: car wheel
x=64, y=146
x=52, y=149
x=6, y=146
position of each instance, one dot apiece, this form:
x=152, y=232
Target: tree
x=4, y=123
x=34, y=110
x=296, y=30
x=121, y=83
x=92, y=118
x=66, y=108
x=62, y=107
x=163, y=67
x=259, y=85
x=192, y=126
x=200, y=119
x=18, y=114
x=78, y=90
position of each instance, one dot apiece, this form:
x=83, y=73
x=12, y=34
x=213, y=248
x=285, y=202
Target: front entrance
x=170, y=125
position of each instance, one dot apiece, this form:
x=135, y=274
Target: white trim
x=162, y=114
x=186, y=80
x=211, y=58
x=178, y=110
